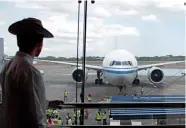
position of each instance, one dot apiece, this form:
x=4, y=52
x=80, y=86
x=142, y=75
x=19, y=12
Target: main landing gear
x=99, y=80
x=136, y=81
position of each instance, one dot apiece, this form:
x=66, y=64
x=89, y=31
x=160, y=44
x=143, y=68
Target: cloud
x=150, y=17
x=167, y=4
x=127, y=12
x=24, y=4
x=117, y=30
x=63, y=27
x=170, y=4
x=107, y=19
x=2, y=23
x=100, y=12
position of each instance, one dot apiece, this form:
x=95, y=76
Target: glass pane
x=114, y=28
x=112, y=63
x=130, y=63
x=124, y=63
x=117, y=63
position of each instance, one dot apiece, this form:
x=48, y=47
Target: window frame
x=129, y=63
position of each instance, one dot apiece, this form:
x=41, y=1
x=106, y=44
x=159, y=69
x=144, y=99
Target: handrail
x=124, y=105
x=139, y=126
x=127, y=105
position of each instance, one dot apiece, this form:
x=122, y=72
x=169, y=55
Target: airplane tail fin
x=1, y=52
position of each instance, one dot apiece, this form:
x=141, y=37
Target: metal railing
x=108, y=126
x=127, y=105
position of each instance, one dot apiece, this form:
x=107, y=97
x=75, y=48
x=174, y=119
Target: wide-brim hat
x=29, y=26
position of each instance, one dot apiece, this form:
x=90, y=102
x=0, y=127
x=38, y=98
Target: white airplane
x=119, y=68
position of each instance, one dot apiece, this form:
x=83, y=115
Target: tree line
x=97, y=58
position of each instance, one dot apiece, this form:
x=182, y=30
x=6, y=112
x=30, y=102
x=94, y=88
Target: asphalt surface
x=58, y=78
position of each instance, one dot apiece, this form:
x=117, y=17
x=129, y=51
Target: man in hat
x=22, y=84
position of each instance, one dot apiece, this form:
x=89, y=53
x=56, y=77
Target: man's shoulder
x=20, y=66
x=30, y=69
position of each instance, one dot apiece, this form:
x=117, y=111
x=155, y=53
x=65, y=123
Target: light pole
x=79, y=2
x=82, y=94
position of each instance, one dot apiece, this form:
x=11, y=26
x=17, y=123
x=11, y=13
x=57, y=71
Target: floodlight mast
x=82, y=94
x=79, y=2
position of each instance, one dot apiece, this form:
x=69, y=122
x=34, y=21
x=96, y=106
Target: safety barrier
x=147, y=107
x=125, y=105
x=159, y=98
x=146, y=113
x=108, y=126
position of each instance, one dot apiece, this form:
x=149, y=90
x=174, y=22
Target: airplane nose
x=123, y=79
x=126, y=79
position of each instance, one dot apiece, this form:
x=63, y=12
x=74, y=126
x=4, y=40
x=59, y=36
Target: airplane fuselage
x=120, y=67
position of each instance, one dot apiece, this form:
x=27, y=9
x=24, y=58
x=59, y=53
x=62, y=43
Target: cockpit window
x=121, y=63
x=130, y=63
x=125, y=63
x=112, y=63
x=118, y=63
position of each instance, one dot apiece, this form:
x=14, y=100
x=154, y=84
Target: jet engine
x=155, y=75
x=77, y=74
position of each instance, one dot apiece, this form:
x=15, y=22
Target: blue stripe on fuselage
x=119, y=71
x=120, y=68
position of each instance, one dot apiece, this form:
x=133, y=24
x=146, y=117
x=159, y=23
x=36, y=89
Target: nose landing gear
x=121, y=89
x=99, y=80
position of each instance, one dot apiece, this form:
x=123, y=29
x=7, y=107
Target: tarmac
x=58, y=78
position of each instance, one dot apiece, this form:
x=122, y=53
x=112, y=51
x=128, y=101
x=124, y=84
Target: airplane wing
x=34, y=62
x=8, y=58
x=144, y=67
x=92, y=67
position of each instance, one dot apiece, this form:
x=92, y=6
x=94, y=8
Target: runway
x=57, y=79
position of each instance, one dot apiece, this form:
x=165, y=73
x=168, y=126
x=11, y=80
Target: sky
x=142, y=27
